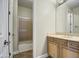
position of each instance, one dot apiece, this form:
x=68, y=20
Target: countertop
x=64, y=36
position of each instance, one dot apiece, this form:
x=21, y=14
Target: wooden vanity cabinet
x=63, y=45
x=53, y=47
x=72, y=51
x=62, y=48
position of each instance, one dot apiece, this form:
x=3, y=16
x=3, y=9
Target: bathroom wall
x=43, y=23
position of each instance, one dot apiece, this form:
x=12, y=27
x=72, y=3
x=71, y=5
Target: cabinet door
x=63, y=45
x=68, y=53
x=69, y=49
x=52, y=49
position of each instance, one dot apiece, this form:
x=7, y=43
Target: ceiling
x=25, y=3
x=73, y=3
x=28, y=3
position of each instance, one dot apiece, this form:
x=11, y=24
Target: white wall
x=24, y=12
x=43, y=23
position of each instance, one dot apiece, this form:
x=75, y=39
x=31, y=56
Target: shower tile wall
x=25, y=30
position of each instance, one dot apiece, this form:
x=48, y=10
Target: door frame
x=10, y=28
x=34, y=28
x=4, y=36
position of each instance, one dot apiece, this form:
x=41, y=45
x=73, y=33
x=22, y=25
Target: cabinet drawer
x=73, y=44
x=50, y=39
x=70, y=53
x=56, y=40
x=52, y=49
x=64, y=43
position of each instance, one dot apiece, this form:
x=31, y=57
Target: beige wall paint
x=43, y=23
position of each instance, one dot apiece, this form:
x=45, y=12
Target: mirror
x=67, y=16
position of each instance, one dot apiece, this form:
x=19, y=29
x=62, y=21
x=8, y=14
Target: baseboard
x=43, y=56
